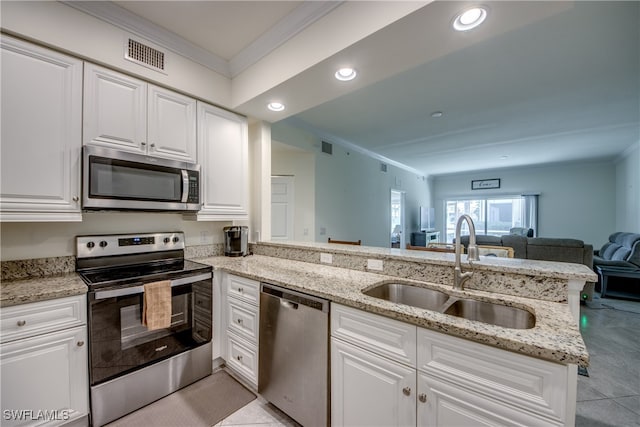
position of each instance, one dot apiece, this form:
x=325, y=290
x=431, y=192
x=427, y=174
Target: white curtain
x=530, y=212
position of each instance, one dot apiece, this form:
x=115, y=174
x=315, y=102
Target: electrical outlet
x=204, y=237
x=326, y=258
x=374, y=264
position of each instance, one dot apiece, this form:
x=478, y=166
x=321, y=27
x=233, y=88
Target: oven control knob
x=90, y=245
x=103, y=243
x=176, y=239
x=166, y=240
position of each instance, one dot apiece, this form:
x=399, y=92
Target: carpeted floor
x=202, y=404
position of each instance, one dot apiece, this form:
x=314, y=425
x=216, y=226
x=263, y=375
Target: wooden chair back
x=345, y=242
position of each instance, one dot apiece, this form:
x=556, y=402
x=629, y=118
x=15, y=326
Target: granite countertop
x=553, y=269
x=555, y=337
x=22, y=291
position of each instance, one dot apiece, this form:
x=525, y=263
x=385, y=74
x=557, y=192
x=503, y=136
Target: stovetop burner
x=121, y=260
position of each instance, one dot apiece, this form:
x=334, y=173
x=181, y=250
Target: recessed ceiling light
x=504, y=157
x=275, y=106
x=436, y=114
x=470, y=18
x=346, y=74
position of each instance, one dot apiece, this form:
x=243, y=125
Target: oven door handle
x=112, y=293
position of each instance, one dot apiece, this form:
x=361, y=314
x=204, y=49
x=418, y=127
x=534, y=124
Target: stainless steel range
x=129, y=365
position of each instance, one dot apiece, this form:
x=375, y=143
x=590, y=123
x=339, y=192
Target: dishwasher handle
x=293, y=299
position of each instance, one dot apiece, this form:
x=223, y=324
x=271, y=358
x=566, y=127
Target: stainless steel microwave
x=114, y=179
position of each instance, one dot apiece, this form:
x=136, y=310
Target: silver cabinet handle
x=240, y=290
x=80, y=343
x=406, y=391
x=76, y=198
x=153, y=146
x=422, y=397
x=143, y=144
x=239, y=321
x=239, y=357
x=21, y=322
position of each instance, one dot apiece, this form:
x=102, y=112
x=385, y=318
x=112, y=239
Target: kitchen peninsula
x=407, y=365
x=517, y=375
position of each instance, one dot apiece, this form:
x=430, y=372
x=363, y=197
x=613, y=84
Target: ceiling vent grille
x=145, y=55
x=383, y=167
x=327, y=147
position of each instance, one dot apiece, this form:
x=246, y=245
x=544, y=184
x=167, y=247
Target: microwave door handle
x=112, y=293
x=185, y=186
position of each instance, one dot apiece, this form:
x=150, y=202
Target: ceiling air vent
x=145, y=55
x=383, y=167
x=327, y=147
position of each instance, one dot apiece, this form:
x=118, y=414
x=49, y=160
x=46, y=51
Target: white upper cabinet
x=171, y=127
x=125, y=113
x=115, y=109
x=41, y=114
x=223, y=147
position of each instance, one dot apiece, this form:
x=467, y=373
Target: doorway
x=282, y=207
x=397, y=219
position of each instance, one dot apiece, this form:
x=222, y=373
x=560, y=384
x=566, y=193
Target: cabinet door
x=45, y=373
x=369, y=390
x=223, y=154
x=41, y=115
x=115, y=109
x=171, y=130
x=441, y=403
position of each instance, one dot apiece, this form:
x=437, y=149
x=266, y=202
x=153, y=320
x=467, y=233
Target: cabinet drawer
x=242, y=357
x=517, y=380
x=244, y=289
x=27, y=320
x=387, y=337
x=242, y=319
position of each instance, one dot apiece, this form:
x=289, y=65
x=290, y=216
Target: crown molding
x=296, y=21
x=301, y=17
x=300, y=124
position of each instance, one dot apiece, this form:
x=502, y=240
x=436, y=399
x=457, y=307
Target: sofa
x=619, y=258
x=543, y=249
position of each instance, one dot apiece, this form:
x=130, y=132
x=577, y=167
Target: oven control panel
x=123, y=244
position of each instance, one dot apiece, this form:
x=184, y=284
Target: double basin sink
x=467, y=308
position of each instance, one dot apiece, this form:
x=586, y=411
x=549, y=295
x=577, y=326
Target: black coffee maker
x=235, y=240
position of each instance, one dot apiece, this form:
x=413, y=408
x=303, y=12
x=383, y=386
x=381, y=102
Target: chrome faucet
x=472, y=252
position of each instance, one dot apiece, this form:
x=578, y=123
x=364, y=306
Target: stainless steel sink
x=415, y=296
x=467, y=308
x=492, y=313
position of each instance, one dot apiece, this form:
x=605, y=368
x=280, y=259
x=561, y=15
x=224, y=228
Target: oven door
x=119, y=343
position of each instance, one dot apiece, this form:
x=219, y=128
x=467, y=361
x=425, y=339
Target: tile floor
x=258, y=413
x=610, y=396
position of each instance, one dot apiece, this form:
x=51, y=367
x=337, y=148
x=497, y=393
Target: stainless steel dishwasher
x=294, y=354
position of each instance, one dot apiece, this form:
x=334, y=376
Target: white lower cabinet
x=369, y=390
x=240, y=330
x=45, y=375
x=453, y=382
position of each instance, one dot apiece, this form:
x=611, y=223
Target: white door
x=282, y=204
x=397, y=219
x=370, y=390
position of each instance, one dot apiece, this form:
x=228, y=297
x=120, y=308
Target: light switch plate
x=326, y=258
x=374, y=264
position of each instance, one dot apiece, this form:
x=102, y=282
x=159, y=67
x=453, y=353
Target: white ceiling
x=538, y=82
